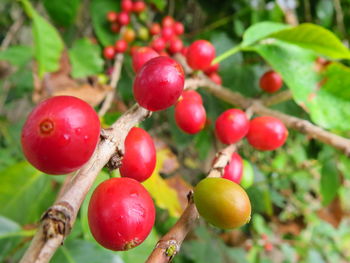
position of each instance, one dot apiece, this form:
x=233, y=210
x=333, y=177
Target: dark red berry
x=127, y=5
x=213, y=68
x=178, y=28
x=139, y=159
x=200, y=54
x=175, y=45
x=155, y=29
x=234, y=169
x=168, y=21
x=109, y=52
x=141, y=56
x=167, y=33
x=158, y=44
x=159, y=83
x=115, y=27
x=191, y=95
x=215, y=77
x=231, y=126
x=267, y=133
x=139, y=6
x=190, y=116
x=112, y=16
x=120, y=46
x=121, y=214
x=123, y=18
x=271, y=82
x=60, y=135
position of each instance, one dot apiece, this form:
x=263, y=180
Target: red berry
x=200, y=54
x=267, y=133
x=268, y=247
x=158, y=44
x=140, y=155
x=234, y=169
x=159, y=83
x=109, y=52
x=139, y=7
x=271, y=82
x=123, y=18
x=163, y=53
x=127, y=5
x=121, y=214
x=215, y=77
x=141, y=56
x=192, y=95
x=133, y=49
x=168, y=21
x=112, y=16
x=184, y=51
x=213, y=68
x=231, y=126
x=155, y=29
x=175, y=45
x=115, y=27
x=120, y=46
x=60, y=135
x=190, y=116
x=167, y=33
x=178, y=28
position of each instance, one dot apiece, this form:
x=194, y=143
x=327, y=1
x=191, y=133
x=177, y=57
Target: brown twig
x=57, y=221
x=12, y=32
x=170, y=243
x=277, y=98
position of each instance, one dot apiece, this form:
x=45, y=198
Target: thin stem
x=227, y=54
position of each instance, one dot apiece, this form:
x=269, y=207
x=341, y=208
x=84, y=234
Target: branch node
x=116, y=160
x=190, y=197
x=170, y=247
x=104, y=133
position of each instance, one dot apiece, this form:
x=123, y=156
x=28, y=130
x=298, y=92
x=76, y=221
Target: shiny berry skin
x=271, y=82
x=141, y=56
x=123, y=18
x=184, y=51
x=213, y=68
x=247, y=175
x=121, y=214
x=168, y=21
x=155, y=29
x=112, y=16
x=222, y=203
x=129, y=35
x=175, y=45
x=139, y=159
x=120, y=46
x=215, y=77
x=167, y=33
x=178, y=28
x=139, y=6
x=200, y=54
x=231, y=126
x=267, y=133
x=159, y=83
x=158, y=44
x=109, y=52
x=60, y=135
x=115, y=27
x=234, y=169
x=190, y=116
x=191, y=95
x=127, y=5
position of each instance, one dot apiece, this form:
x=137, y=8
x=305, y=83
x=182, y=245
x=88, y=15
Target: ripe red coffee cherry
x=139, y=7
x=234, y=169
x=139, y=159
x=155, y=29
x=112, y=16
x=190, y=116
x=231, y=126
x=115, y=27
x=175, y=45
x=215, y=77
x=158, y=44
x=178, y=28
x=167, y=33
x=191, y=95
x=267, y=133
x=184, y=51
x=200, y=54
x=60, y=135
x=271, y=82
x=121, y=214
x=127, y=5
x=159, y=83
x=109, y=52
x=213, y=68
x=168, y=21
x=123, y=18
x=120, y=46
x=141, y=56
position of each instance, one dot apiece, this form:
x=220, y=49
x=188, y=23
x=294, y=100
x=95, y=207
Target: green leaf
x=7, y=241
x=85, y=58
x=17, y=55
x=24, y=193
x=330, y=181
x=160, y=4
x=63, y=12
x=48, y=44
x=316, y=38
x=98, y=11
x=260, y=31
